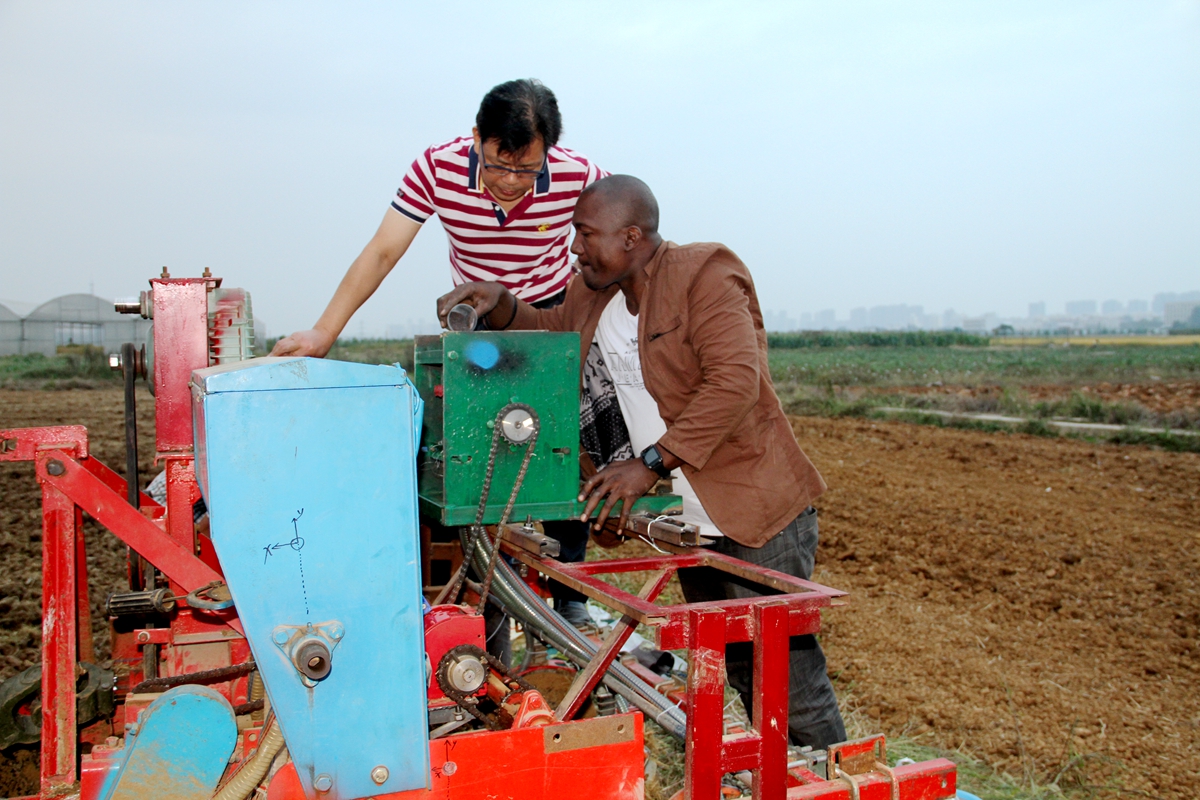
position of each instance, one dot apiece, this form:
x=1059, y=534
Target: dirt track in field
x=1031, y=601
x=1034, y=629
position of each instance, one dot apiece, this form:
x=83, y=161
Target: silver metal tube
x=515, y=596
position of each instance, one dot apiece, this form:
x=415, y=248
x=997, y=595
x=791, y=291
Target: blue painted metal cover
x=309, y=473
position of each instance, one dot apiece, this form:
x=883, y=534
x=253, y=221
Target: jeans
x=813, y=716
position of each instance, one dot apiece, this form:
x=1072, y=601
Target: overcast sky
x=969, y=155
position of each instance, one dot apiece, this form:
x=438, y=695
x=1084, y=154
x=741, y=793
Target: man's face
x=600, y=244
x=504, y=185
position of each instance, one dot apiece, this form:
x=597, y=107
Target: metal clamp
x=214, y=596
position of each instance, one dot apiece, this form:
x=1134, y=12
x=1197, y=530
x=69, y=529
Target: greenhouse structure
x=72, y=319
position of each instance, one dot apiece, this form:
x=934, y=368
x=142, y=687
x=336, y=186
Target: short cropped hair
x=517, y=112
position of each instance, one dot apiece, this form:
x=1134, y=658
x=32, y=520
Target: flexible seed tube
x=251, y=773
x=516, y=598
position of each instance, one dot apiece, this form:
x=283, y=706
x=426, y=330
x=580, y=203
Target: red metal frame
x=73, y=483
x=704, y=630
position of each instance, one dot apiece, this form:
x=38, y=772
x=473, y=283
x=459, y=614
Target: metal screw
x=281, y=637
x=450, y=768
x=143, y=636
x=336, y=632
x=165, y=274
x=207, y=273
x=379, y=775
x=55, y=467
x=323, y=783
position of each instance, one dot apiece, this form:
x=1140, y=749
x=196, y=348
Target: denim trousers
x=813, y=716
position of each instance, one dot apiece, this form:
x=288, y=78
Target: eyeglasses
x=497, y=171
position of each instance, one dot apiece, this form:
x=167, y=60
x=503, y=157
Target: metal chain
x=495, y=720
x=512, y=500
x=449, y=594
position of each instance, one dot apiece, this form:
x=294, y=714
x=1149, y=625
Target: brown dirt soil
x=1160, y=398
x=102, y=411
x=1024, y=600
x=986, y=614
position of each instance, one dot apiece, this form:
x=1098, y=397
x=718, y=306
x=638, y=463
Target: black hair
x=516, y=113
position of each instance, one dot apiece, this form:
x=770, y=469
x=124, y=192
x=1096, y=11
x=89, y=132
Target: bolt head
x=143, y=637
x=280, y=637
x=379, y=775
x=323, y=783
x=55, y=467
x=450, y=768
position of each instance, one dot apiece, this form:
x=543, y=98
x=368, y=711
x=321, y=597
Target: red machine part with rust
x=446, y=627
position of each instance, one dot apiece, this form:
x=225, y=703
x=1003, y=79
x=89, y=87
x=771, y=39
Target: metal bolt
x=55, y=467
x=452, y=355
x=379, y=775
x=450, y=768
x=323, y=783
x=207, y=273
x=281, y=637
x=336, y=632
x=143, y=636
x=165, y=274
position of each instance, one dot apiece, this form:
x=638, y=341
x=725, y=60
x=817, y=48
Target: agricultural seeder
x=277, y=642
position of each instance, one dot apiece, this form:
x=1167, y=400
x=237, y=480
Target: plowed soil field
x=1033, y=602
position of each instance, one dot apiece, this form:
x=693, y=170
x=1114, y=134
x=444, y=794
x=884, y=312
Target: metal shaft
x=520, y=602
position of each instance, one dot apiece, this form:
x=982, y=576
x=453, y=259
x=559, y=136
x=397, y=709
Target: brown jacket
x=704, y=360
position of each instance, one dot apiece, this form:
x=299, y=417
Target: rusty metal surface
x=588, y=733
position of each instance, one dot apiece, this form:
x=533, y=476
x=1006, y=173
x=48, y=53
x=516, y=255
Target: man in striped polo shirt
x=505, y=196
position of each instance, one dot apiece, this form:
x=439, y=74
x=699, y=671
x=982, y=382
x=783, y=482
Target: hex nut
x=379, y=775
x=323, y=782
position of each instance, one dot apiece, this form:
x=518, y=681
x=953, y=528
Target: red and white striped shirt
x=526, y=249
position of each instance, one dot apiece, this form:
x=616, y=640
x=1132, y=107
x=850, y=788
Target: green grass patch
x=810, y=339
x=81, y=367
x=972, y=366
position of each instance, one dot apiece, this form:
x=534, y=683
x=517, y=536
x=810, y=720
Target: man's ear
x=478, y=143
x=633, y=237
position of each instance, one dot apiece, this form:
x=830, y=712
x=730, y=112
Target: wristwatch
x=654, y=462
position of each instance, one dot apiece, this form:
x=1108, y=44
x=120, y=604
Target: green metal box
x=466, y=379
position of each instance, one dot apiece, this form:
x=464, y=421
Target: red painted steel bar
x=128, y=524
x=83, y=608
x=587, y=679
x=771, y=652
x=58, y=640
x=706, y=705
x=115, y=482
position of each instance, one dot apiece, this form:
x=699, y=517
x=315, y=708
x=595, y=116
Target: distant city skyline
x=902, y=316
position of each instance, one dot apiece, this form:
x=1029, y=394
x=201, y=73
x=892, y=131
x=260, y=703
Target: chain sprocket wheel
x=495, y=718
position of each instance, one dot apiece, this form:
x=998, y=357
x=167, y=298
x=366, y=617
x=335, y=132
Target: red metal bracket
x=58, y=469
x=23, y=444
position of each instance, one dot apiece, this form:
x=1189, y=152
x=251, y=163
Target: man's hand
x=622, y=480
x=314, y=342
x=483, y=296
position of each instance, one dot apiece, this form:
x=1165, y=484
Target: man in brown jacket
x=681, y=331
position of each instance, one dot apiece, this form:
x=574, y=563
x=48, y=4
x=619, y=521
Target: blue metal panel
x=313, y=507
x=179, y=748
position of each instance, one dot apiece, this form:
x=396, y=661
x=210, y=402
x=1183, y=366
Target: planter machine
x=286, y=650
